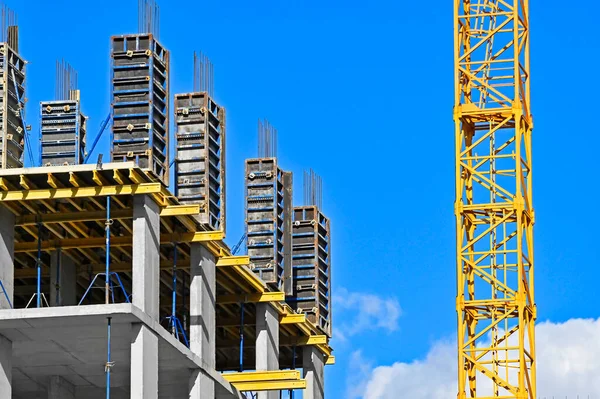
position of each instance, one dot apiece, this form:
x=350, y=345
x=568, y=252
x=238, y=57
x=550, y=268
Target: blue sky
x=362, y=92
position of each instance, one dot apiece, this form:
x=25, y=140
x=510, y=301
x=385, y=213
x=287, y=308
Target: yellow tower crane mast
x=494, y=213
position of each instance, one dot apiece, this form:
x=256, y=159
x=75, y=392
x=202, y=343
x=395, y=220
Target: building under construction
x=115, y=286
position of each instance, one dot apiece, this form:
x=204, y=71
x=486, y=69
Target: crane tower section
x=494, y=213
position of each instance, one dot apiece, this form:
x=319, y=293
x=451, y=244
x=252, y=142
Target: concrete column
x=5, y=368
x=7, y=248
x=144, y=363
x=314, y=368
x=146, y=258
x=267, y=343
x=63, y=275
x=59, y=388
x=203, y=287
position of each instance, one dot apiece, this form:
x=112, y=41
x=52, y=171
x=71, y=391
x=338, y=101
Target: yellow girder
x=251, y=298
x=79, y=192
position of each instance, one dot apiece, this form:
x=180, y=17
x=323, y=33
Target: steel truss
x=494, y=213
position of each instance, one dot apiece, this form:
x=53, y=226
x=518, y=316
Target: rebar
x=203, y=74
x=9, y=18
x=66, y=81
x=267, y=140
x=313, y=188
x=149, y=17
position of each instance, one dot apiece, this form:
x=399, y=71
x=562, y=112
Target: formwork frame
x=494, y=211
x=63, y=128
x=200, y=156
x=140, y=103
x=311, y=266
x=12, y=106
x=69, y=202
x=269, y=221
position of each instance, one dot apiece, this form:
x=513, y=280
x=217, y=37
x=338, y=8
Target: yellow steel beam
x=4, y=184
x=233, y=261
x=256, y=376
x=330, y=361
x=79, y=192
x=292, y=318
x=251, y=298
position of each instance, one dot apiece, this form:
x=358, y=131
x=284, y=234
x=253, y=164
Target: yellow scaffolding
x=494, y=213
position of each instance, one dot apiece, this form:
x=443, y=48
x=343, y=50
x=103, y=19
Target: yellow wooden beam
x=79, y=192
x=24, y=182
x=85, y=216
x=180, y=210
x=52, y=182
x=266, y=380
x=135, y=177
x=74, y=180
x=118, y=177
x=98, y=179
x=311, y=340
x=292, y=318
x=99, y=242
x=251, y=298
x=255, y=376
x=233, y=261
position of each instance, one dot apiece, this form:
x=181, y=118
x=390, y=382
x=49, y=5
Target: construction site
x=116, y=282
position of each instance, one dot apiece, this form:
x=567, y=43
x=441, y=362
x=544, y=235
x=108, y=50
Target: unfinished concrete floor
x=71, y=342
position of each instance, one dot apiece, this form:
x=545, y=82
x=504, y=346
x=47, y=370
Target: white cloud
x=567, y=366
x=361, y=312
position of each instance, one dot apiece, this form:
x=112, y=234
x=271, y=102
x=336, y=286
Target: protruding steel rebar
x=203, y=74
x=9, y=18
x=66, y=81
x=149, y=17
x=313, y=188
x=267, y=140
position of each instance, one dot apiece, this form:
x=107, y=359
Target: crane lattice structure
x=494, y=213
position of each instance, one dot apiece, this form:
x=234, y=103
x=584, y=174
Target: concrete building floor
x=69, y=345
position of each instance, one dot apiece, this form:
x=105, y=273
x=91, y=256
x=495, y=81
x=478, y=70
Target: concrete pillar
x=314, y=368
x=63, y=275
x=5, y=368
x=203, y=287
x=146, y=258
x=59, y=388
x=267, y=343
x=7, y=248
x=144, y=363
